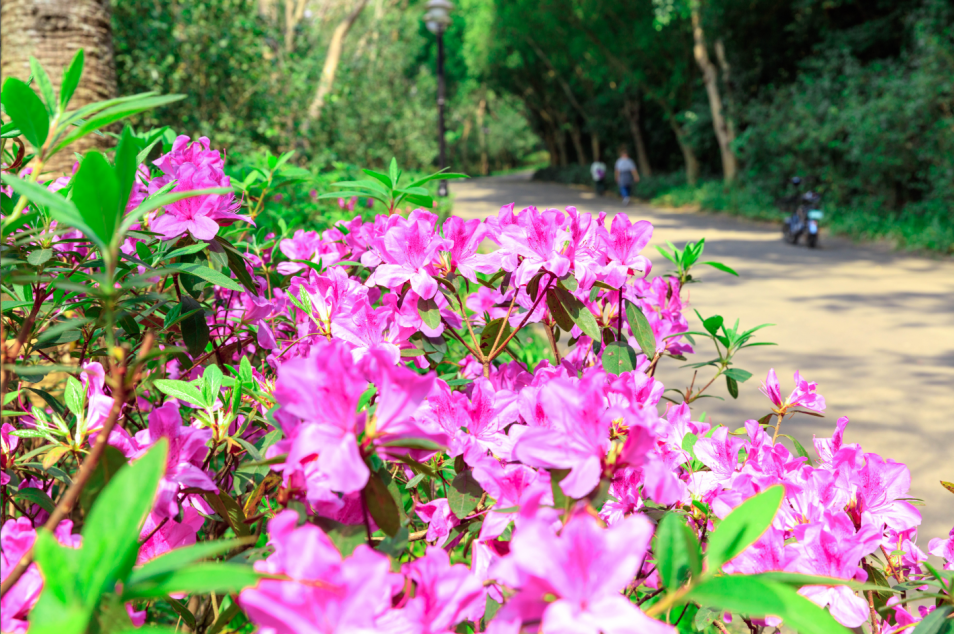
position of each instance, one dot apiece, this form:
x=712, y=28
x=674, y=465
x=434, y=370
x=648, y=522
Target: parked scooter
x=804, y=220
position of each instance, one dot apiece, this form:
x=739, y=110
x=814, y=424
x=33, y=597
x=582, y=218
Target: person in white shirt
x=626, y=174
x=598, y=172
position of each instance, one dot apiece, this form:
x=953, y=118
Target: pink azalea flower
x=8, y=445
x=466, y=236
x=408, y=251
x=832, y=548
x=534, y=243
x=170, y=535
x=480, y=419
x=510, y=485
x=944, y=548
x=199, y=216
x=803, y=395
x=318, y=396
x=324, y=593
x=621, y=246
x=17, y=537
x=187, y=450
x=572, y=582
x=439, y=518
x=444, y=596
x=881, y=486
x=577, y=440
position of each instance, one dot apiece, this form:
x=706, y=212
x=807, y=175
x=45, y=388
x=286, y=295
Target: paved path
x=874, y=328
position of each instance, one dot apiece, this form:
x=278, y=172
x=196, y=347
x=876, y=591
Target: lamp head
x=437, y=17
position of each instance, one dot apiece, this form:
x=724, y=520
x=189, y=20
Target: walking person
x=626, y=174
x=598, y=172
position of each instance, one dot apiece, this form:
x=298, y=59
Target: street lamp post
x=437, y=19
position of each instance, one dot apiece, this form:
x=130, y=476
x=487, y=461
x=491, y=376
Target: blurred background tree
x=723, y=100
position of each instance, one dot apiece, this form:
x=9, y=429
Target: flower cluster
x=438, y=424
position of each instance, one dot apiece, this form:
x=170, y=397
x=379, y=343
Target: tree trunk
x=331, y=61
x=730, y=111
x=595, y=145
x=688, y=155
x=482, y=136
x=577, y=137
x=633, y=108
x=724, y=135
x=52, y=31
x=294, y=12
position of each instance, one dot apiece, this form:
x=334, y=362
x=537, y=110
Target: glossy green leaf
x=199, y=579
x=712, y=324
x=61, y=608
x=750, y=596
x=181, y=390
x=381, y=505
x=732, y=386
x=62, y=210
x=579, y=313
x=209, y=275
x=738, y=374
x=96, y=194
x=44, y=84
x=180, y=557
x=110, y=463
x=618, y=357
x=35, y=496
x=558, y=312
x=429, y=311
x=132, y=106
x=464, y=494
x=111, y=530
x=125, y=166
x=195, y=330
x=492, y=334
x=642, y=330
x=937, y=622
x=742, y=527
x=722, y=267
x=677, y=551
x=26, y=111
x=71, y=78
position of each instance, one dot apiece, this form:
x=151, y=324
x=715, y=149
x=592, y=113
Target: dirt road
x=874, y=328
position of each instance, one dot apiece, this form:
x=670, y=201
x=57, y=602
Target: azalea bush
x=399, y=423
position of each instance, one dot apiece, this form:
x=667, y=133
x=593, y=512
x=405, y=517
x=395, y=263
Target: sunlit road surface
x=874, y=328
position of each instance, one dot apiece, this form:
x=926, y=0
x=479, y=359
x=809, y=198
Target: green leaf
x=345, y=537
x=742, y=527
x=936, y=622
x=412, y=443
x=750, y=596
x=677, y=551
x=180, y=557
x=738, y=374
x=237, y=265
x=26, y=111
x=111, y=531
x=96, y=194
x=62, y=210
x=722, y=267
x=712, y=324
x=195, y=330
x=182, y=610
x=490, y=334
x=60, y=608
x=393, y=172
x=209, y=275
x=181, y=390
x=40, y=256
x=132, y=106
x=437, y=176
x=618, y=357
x=161, y=199
x=71, y=78
x=125, y=166
x=732, y=386
x=464, y=494
x=579, y=313
x=35, y=496
x=429, y=311
x=642, y=330
x=559, y=314
x=75, y=396
x=109, y=464
x=198, y=579
x=381, y=505
x=44, y=84
x=230, y=510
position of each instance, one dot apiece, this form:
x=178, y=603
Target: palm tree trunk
x=52, y=31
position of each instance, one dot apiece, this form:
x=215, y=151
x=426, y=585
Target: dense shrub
x=364, y=429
